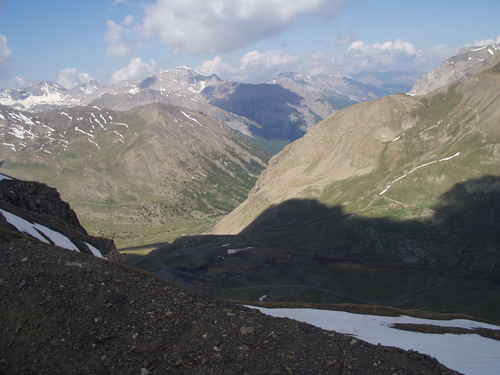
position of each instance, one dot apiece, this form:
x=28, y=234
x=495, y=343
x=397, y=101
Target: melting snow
x=22, y=118
x=65, y=114
x=83, y=132
x=94, y=250
x=491, y=52
x=415, y=169
x=94, y=143
x=22, y=225
x=236, y=251
x=121, y=124
x=191, y=118
x=57, y=238
x=470, y=353
x=121, y=137
x=10, y=145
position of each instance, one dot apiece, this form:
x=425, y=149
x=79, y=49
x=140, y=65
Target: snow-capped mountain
x=39, y=96
x=282, y=109
x=469, y=61
x=55, y=130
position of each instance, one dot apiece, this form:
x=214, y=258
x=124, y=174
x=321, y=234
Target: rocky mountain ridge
x=400, y=191
x=467, y=62
x=137, y=169
x=34, y=209
x=297, y=103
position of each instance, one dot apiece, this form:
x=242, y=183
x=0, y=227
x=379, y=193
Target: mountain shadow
x=302, y=250
x=272, y=106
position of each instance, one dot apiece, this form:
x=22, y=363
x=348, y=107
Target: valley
x=306, y=221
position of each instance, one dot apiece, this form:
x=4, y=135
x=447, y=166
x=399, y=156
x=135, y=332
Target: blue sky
x=109, y=40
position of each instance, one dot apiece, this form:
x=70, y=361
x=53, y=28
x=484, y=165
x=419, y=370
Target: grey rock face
x=468, y=62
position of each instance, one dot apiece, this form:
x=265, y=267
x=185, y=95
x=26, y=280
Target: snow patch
x=4, y=177
x=10, y=145
x=469, y=354
x=57, y=238
x=388, y=187
x=94, y=143
x=22, y=225
x=94, y=250
x=66, y=115
x=191, y=118
x=77, y=129
x=236, y=251
x=120, y=123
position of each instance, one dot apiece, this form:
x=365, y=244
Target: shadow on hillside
x=463, y=235
x=267, y=104
x=304, y=251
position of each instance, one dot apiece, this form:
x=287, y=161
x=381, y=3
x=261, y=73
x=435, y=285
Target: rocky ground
x=69, y=313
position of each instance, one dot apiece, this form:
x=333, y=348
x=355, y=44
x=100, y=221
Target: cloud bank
x=218, y=26
x=135, y=70
x=71, y=77
x=359, y=56
x=118, y=36
x=5, y=51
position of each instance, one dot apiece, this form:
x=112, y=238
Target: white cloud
x=397, y=45
x=135, y=70
x=118, y=2
x=215, y=26
x=359, y=56
x=267, y=60
x=5, y=51
x=486, y=42
x=19, y=82
x=254, y=66
x=217, y=66
x=71, y=77
x=117, y=36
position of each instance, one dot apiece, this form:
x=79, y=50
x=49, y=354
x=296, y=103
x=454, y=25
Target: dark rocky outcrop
x=39, y=199
x=42, y=204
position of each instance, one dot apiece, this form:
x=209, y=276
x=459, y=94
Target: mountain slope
x=34, y=209
x=468, y=62
x=157, y=166
x=394, y=202
x=65, y=313
x=382, y=149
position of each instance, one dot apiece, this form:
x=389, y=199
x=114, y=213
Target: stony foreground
x=69, y=313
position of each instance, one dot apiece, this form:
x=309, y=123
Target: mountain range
x=391, y=202
x=137, y=171
x=284, y=108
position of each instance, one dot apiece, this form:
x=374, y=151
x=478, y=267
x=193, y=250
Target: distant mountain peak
x=469, y=60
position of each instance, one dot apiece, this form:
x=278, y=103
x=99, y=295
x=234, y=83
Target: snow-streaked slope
x=57, y=238
x=22, y=225
x=35, y=230
x=470, y=354
x=94, y=250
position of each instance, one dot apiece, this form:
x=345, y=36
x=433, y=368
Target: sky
x=71, y=42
